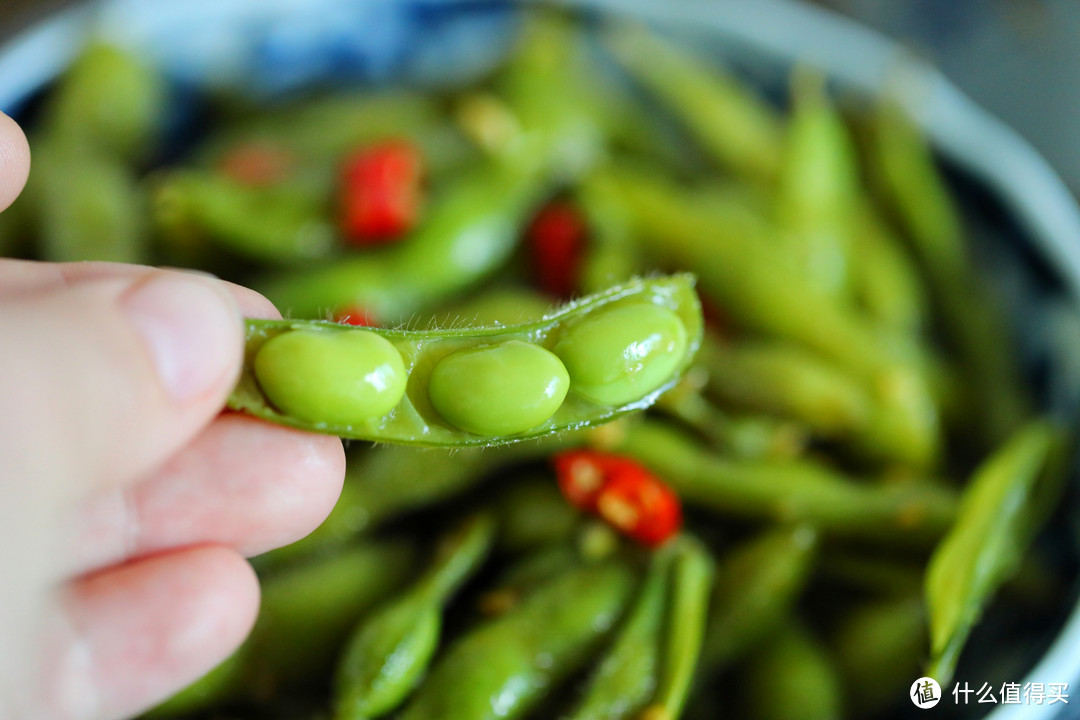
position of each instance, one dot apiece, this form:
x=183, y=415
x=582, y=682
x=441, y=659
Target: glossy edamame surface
x=475, y=386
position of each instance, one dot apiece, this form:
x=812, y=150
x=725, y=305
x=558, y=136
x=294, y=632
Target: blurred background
x=1020, y=59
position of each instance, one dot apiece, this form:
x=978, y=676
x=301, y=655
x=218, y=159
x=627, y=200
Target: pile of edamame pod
x=721, y=419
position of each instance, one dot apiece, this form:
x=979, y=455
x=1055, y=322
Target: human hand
x=127, y=500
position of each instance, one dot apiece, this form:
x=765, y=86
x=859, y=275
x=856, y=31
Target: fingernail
x=191, y=330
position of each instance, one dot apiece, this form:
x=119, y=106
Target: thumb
x=100, y=380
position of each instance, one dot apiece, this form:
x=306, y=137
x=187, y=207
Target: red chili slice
x=621, y=492
x=556, y=238
x=357, y=316
x=380, y=192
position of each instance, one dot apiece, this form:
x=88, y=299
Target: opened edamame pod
x=585, y=364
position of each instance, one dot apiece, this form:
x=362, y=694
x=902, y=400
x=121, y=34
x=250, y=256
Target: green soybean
x=626, y=678
x=992, y=530
x=761, y=288
x=734, y=126
x=914, y=187
x=278, y=224
x=786, y=380
x=336, y=378
x=389, y=651
x=87, y=204
x=793, y=677
x=756, y=586
x=688, y=606
x=498, y=390
x=878, y=648
x=916, y=513
x=332, y=378
x=503, y=668
x=307, y=609
x=623, y=353
x=110, y=101
x=817, y=188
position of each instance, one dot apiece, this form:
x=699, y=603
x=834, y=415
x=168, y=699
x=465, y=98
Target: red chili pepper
x=355, y=315
x=380, y=192
x=556, y=239
x=258, y=164
x=621, y=492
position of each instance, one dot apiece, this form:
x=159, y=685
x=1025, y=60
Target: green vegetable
x=817, y=189
x=909, y=513
x=987, y=541
x=627, y=676
x=734, y=126
x=345, y=380
x=762, y=289
x=469, y=231
x=756, y=586
x=915, y=189
x=886, y=281
x=87, y=204
x=503, y=668
x=389, y=651
x=692, y=576
x=878, y=648
x=793, y=678
x=781, y=379
x=307, y=609
x=624, y=352
x=109, y=101
x=282, y=223
x=499, y=389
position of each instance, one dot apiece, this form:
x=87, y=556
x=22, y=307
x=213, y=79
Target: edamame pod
x=277, y=224
x=87, y=204
x=887, y=284
x=500, y=670
x=762, y=290
x=614, y=352
x=108, y=101
x=756, y=585
x=322, y=129
x=817, y=189
x=738, y=129
x=739, y=436
x=542, y=81
x=612, y=255
x=793, y=677
x=987, y=540
x=469, y=230
x=307, y=609
x=912, y=184
x=626, y=677
x=389, y=651
x=782, y=379
x=692, y=576
x=910, y=513
x=878, y=648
